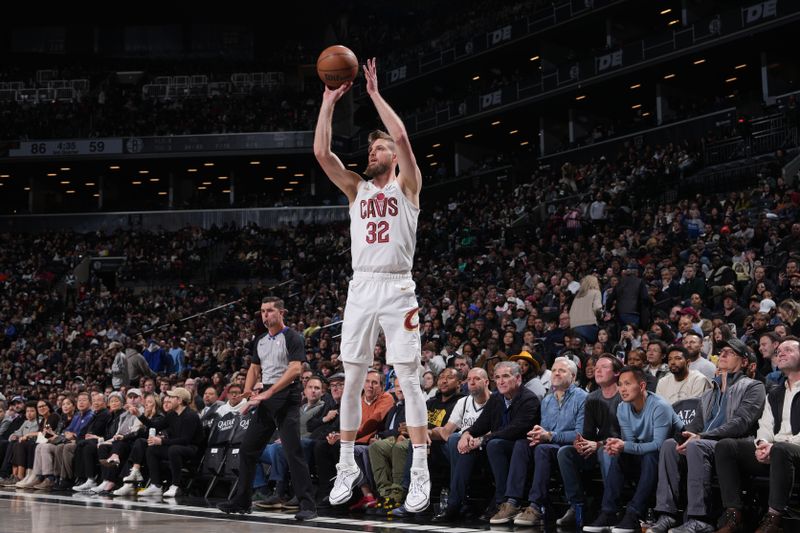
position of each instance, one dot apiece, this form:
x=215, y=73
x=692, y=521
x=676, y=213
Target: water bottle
x=152, y=432
x=443, y=499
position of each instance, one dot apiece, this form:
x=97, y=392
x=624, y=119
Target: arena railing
x=272, y=217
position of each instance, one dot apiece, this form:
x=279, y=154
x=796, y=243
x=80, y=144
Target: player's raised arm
x=345, y=179
x=410, y=178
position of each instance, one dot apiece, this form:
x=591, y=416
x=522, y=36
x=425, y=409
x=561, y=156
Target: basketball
x=336, y=65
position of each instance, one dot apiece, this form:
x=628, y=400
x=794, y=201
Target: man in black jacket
x=181, y=442
x=507, y=417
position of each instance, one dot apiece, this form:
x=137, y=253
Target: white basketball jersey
x=383, y=229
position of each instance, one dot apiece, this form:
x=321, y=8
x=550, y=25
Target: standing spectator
x=585, y=309
x=631, y=299
x=177, y=358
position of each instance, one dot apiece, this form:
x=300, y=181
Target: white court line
x=153, y=506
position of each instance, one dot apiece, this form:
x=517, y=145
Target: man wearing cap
x=181, y=436
x=774, y=452
x=729, y=410
x=278, y=356
x=732, y=311
x=681, y=382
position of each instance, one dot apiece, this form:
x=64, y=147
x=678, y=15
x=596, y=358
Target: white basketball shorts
x=386, y=301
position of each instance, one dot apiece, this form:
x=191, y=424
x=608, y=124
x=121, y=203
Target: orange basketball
x=336, y=65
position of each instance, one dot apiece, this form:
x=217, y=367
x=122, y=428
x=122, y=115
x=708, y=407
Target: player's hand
x=331, y=96
x=371, y=75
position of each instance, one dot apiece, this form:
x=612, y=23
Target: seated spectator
x=375, y=405
x=45, y=468
x=464, y=415
x=122, y=448
x=69, y=462
x=388, y=452
x=599, y=423
x=646, y=421
x=656, y=355
x=180, y=441
x=211, y=404
x=530, y=368
x=87, y=459
x=235, y=401
x=109, y=453
x=693, y=342
x=773, y=453
x=275, y=455
x=681, y=382
x=23, y=436
x=506, y=418
x=636, y=358
x=729, y=410
x=562, y=412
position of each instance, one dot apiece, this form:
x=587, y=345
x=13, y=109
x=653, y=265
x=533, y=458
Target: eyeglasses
x=41, y=405
x=337, y=385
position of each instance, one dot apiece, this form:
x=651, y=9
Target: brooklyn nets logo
x=411, y=322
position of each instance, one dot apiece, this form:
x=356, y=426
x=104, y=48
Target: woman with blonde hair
x=585, y=309
x=789, y=311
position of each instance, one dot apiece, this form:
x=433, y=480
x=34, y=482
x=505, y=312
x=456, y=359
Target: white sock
x=420, y=456
x=346, y=456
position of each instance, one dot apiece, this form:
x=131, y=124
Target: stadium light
x=512, y=132
x=737, y=67
x=66, y=169
x=208, y=164
x=698, y=61
x=581, y=97
x=255, y=162
x=298, y=174
x=636, y=106
x=429, y=156
x=113, y=167
x=222, y=177
x=666, y=11
x=136, y=182
x=155, y=180
x=636, y=86
x=496, y=123
x=281, y=167
x=437, y=145
x=534, y=58
x=669, y=76
x=144, y=172
x=268, y=178
x=673, y=22
x=191, y=170
x=731, y=79
x=476, y=78
x=468, y=136
x=294, y=183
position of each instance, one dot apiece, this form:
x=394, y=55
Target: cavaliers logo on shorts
x=411, y=323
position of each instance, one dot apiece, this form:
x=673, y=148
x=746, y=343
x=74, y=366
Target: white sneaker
x=151, y=490
x=348, y=477
x=419, y=491
x=172, y=491
x=135, y=475
x=125, y=490
x=83, y=487
x=28, y=483
x=105, y=486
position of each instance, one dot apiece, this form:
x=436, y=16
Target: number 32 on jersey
x=377, y=232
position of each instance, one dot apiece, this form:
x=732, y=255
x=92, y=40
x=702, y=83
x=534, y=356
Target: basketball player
x=383, y=226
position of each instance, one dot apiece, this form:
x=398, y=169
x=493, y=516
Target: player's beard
x=376, y=169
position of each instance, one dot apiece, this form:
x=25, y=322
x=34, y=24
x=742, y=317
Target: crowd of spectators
x=602, y=272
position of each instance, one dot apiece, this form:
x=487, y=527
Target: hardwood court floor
x=36, y=512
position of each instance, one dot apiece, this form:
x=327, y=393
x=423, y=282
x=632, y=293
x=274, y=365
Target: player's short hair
x=277, y=302
x=380, y=134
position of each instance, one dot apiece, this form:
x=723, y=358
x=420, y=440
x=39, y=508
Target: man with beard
x=729, y=410
x=681, y=382
x=693, y=343
x=464, y=414
x=383, y=223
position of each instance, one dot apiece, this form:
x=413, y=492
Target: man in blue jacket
x=562, y=418
x=646, y=421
